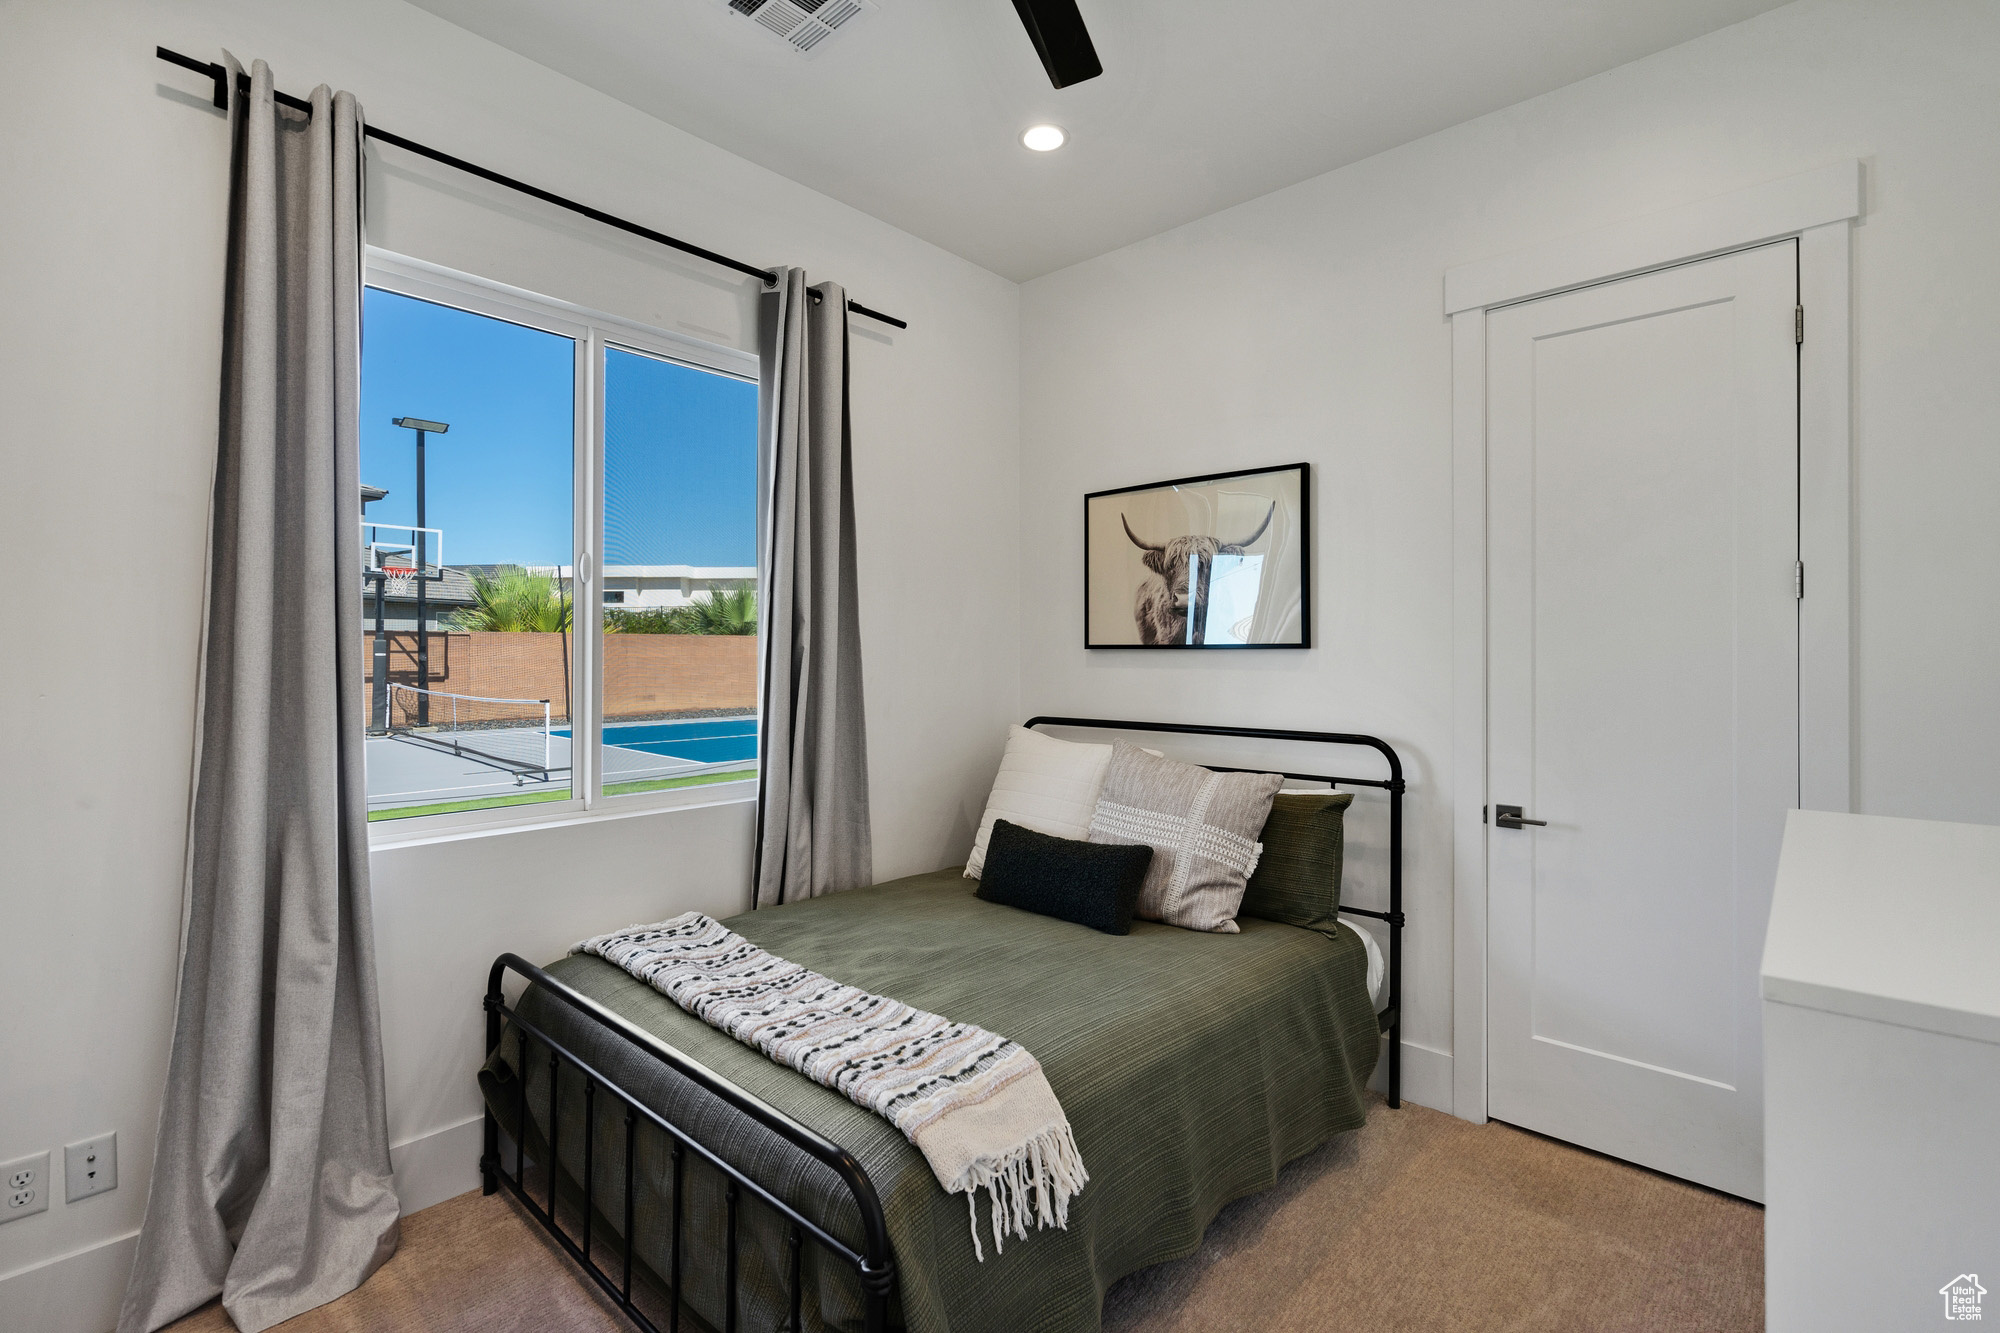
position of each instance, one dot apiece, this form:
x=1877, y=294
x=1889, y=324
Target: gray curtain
x=812, y=772
x=271, y=1180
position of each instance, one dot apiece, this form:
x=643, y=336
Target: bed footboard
x=871, y=1262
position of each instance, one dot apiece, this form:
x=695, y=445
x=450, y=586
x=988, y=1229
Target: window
x=680, y=535
x=506, y=439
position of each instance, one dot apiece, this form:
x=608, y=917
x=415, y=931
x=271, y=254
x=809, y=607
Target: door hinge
x=1798, y=324
x=1799, y=580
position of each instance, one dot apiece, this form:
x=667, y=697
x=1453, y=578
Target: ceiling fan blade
x=1061, y=40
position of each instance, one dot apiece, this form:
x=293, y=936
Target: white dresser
x=1881, y=984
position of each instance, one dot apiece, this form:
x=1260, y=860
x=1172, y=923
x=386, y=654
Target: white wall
x=1307, y=325
x=112, y=215
x=1303, y=325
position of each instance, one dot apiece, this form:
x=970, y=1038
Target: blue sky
x=680, y=465
x=680, y=444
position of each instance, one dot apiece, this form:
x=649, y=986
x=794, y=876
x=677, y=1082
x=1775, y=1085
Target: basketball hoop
x=398, y=580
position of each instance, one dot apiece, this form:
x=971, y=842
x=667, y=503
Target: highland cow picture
x=1204, y=562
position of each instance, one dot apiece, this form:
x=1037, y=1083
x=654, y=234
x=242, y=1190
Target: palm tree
x=513, y=600
x=726, y=610
x=731, y=609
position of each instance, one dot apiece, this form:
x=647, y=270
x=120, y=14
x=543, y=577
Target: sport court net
x=511, y=733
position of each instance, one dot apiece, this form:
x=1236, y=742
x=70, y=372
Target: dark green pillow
x=1297, y=880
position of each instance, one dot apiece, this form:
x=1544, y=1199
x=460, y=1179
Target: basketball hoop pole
x=379, y=723
x=422, y=428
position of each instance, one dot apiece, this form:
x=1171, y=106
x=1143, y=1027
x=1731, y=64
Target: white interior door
x=1642, y=441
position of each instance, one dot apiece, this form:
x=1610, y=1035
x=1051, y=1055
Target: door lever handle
x=1510, y=816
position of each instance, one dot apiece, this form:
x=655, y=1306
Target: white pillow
x=1046, y=785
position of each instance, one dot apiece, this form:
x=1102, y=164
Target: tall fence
x=645, y=675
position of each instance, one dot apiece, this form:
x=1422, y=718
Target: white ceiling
x=914, y=113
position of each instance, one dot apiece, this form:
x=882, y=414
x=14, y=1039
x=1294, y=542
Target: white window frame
x=593, y=333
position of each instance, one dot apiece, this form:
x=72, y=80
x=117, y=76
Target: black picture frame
x=1097, y=581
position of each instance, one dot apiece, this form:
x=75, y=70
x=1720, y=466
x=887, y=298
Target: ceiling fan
x=1061, y=40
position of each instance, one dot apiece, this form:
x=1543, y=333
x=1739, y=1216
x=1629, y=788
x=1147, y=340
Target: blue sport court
x=441, y=764
x=710, y=740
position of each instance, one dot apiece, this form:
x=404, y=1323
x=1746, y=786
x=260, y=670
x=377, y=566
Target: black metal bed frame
x=1393, y=785
x=873, y=1262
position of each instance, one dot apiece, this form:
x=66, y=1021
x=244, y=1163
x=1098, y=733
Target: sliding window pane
x=466, y=554
x=680, y=575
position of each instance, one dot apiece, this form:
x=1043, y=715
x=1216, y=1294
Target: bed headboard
x=1392, y=784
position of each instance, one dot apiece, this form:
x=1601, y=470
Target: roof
x=453, y=588
x=746, y=573
x=491, y=571
x=741, y=573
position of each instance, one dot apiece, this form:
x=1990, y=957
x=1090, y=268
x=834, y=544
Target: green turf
x=560, y=794
x=663, y=784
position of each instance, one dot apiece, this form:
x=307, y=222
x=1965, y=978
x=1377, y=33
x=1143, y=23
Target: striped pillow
x=1201, y=825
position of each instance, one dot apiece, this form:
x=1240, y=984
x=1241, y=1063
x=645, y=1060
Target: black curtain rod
x=218, y=73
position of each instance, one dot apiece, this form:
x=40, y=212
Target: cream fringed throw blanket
x=976, y=1105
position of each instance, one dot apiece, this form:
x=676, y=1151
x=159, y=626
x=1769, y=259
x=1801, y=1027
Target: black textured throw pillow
x=1091, y=883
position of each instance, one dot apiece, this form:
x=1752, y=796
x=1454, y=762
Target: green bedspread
x=1191, y=1066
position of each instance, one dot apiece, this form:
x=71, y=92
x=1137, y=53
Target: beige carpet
x=467, y=1263
x=1417, y=1221
x=1420, y=1221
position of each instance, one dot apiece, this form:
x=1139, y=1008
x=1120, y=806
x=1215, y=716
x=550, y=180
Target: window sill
x=427, y=829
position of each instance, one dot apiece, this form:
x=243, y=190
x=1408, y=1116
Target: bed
x=705, y=1186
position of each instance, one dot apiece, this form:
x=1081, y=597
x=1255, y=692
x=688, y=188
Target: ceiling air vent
x=805, y=25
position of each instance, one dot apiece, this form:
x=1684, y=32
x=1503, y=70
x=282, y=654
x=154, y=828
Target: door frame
x=1818, y=209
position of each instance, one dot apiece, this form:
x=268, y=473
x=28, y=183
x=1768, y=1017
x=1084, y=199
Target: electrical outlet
x=24, y=1187
x=90, y=1167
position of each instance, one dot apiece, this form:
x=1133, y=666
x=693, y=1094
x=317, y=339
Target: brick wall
x=668, y=673
x=644, y=674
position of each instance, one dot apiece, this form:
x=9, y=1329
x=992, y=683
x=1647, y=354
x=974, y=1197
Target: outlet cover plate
x=24, y=1187
x=90, y=1167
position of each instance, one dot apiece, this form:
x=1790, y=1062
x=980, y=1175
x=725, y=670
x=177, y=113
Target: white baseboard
x=1426, y=1075
x=437, y=1166
x=78, y=1292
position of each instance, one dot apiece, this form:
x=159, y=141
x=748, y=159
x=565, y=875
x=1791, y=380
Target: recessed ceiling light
x=1044, y=138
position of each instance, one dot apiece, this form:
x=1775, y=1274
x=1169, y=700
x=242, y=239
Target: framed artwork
x=1203, y=562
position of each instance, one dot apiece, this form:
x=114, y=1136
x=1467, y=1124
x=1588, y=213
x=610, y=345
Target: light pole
x=422, y=428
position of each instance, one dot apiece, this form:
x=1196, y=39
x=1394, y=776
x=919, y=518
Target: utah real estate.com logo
x=1961, y=1296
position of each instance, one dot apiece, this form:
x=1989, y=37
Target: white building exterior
x=645, y=587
